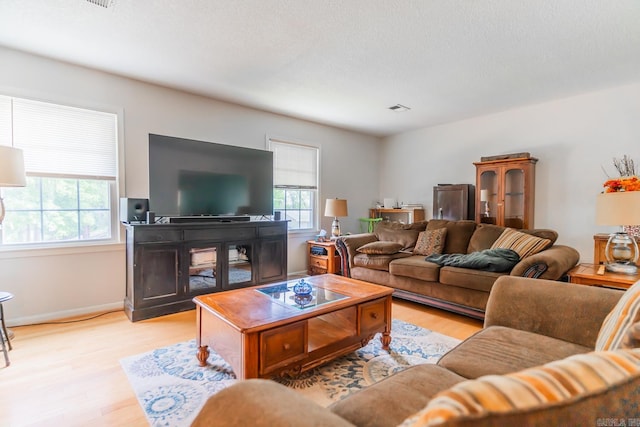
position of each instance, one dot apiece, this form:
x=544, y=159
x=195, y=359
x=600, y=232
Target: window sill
x=24, y=251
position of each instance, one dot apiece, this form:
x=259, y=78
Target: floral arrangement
x=628, y=180
x=628, y=183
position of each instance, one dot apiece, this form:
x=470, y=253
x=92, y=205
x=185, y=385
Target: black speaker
x=133, y=211
x=276, y=215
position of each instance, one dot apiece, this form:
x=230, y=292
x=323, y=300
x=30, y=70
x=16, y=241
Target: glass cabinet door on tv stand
x=203, y=268
x=240, y=265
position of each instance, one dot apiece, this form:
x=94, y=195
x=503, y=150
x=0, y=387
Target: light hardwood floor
x=70, y=375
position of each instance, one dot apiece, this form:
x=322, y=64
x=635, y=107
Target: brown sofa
x=462, y=290
x=528, y=322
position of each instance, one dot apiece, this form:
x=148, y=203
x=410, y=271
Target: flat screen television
x=189, y=178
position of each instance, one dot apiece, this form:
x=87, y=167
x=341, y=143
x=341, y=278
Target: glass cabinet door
x=514, y=198
x=203, y=263
x=488, y=206
x=240, y=257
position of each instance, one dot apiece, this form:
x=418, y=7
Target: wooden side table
x=323, y=258
x=587, y=274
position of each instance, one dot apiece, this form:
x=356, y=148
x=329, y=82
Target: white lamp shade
x=336, y=208
x=12, y=167
x=618, y=208
x=484, y=195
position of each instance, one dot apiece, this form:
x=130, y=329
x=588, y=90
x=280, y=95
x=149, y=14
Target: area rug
x=171, y=387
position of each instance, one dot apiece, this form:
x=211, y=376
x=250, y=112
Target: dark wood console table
x=169, y=264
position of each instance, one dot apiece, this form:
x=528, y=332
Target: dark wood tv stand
x=169, y=264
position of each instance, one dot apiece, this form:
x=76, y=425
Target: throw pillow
x=531, y=389
x=632, y=337
x=430, y=242
x=524, y=244
x=624, y=314
x=380, y=248
x=458, y=234
x=407, y=238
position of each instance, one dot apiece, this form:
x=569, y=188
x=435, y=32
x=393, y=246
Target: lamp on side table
x=335, y=208
x=620, y=208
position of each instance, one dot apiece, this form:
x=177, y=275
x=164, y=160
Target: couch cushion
x=524, y=244
x=430, y=242
x=624, y=314
x=458, y=234
x=405, y=234
x=377, y=262
x=547, y=387
x=484, y=236
x=500, y=350
x=391, y=400
x=380, y=248
x=632, y=337
x=467, y=278
x=415, y=267
x=253, y=402
x=543, y=234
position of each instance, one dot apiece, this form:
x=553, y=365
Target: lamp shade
x=335, y=208
x=618, y=208
x=12, y=167
x=484, y=195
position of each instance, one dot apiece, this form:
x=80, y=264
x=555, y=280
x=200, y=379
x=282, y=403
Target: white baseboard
x=47, y=317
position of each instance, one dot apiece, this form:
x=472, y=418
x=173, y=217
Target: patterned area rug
x=171, y=387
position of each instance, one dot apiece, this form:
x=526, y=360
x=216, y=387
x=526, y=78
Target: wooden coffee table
x=264, y=331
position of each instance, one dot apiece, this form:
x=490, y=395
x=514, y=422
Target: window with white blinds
x=70, y=158
x=61, y=140
x=295, y=181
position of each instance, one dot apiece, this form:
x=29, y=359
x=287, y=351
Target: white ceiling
x=344, y=62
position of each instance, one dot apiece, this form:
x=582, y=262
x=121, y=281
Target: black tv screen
x=188, y=177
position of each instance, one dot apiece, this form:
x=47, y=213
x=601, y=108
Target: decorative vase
x=302, y=288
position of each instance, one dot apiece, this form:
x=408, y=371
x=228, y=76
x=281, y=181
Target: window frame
x=116, y=188
x=315, y=209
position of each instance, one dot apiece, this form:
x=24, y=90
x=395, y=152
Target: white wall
x=573, y=138
x=53, y=283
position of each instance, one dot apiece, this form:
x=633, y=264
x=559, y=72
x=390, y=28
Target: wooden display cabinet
x=510, y=192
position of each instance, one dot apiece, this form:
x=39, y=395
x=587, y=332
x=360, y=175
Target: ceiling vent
x=102, y=3
x=398, y=108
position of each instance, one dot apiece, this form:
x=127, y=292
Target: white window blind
x=295, y=166
x=67, y=141
x=5, y=120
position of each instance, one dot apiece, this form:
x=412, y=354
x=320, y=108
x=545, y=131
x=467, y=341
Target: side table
x=587, y=274
x=322, y=258
x=4, y=334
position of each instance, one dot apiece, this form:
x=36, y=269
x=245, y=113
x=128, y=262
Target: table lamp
x=335, y=208
x=484, y=197
x=11, y=171
x=620, y=208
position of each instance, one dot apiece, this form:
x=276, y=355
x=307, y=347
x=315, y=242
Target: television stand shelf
x=169, y=264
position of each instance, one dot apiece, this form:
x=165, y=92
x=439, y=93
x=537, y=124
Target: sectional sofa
x=390, y=256
x=550, y=354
